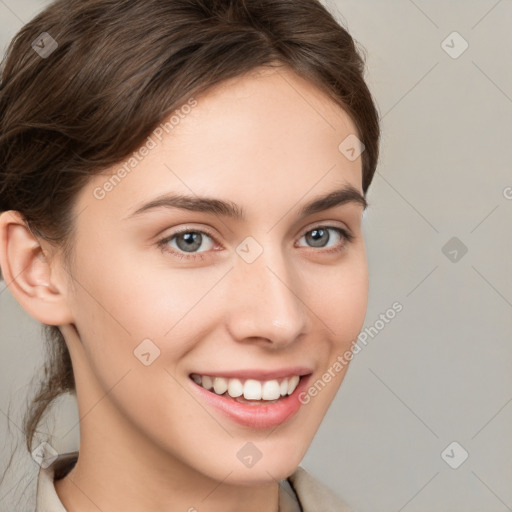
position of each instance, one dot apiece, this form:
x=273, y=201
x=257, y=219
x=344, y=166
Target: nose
x=267, y=302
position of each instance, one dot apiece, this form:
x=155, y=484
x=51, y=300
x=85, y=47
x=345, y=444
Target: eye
x=319, y=236
x=189, y=240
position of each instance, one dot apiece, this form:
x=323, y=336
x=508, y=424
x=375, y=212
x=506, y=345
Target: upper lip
x=257, y=374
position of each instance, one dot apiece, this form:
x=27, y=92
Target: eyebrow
x=218, y=207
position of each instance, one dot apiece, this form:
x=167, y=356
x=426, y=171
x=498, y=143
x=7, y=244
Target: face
x=168, y=294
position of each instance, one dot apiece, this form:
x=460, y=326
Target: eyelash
x=162, y=244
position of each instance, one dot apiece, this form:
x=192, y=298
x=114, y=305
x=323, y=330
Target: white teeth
x=292, y=384
x=284, y=387
x=207, y=382
x=235, y=388
x=220, y=385
x=251, y=389
x=270, y=390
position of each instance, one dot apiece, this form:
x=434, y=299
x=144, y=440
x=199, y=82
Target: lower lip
x=258, y=415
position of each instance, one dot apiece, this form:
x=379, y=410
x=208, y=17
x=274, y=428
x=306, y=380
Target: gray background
x=441, y=370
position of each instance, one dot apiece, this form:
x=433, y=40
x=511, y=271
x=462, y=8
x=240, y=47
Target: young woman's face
x=270, y=294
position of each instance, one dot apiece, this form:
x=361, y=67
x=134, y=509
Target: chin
x=258, y=476
x=275, y=463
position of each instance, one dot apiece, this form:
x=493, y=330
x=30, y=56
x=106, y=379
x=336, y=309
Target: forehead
x=269, y=134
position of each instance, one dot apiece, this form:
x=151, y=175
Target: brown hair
x=119, y=68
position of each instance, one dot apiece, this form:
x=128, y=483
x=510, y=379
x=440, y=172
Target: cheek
x=126, y=300
x=340, y=299
x=348, y=306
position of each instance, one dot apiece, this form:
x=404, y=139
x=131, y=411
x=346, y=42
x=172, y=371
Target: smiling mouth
x=249, y=391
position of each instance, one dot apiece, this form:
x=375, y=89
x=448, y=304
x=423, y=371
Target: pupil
x=190, y=239
x=317, y=235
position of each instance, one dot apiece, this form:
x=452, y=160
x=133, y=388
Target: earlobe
x=28, y=273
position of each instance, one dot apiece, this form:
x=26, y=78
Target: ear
x=37, y=286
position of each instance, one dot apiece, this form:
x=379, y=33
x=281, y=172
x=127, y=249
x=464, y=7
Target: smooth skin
x=267, y=141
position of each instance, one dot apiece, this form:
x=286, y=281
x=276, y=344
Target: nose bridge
x=266, y=301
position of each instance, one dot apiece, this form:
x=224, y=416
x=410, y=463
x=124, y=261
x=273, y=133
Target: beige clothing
x=300, y=492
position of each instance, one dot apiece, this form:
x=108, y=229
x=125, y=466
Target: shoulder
x=313, y=495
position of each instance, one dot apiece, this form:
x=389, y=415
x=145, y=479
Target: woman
x=182, y=186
